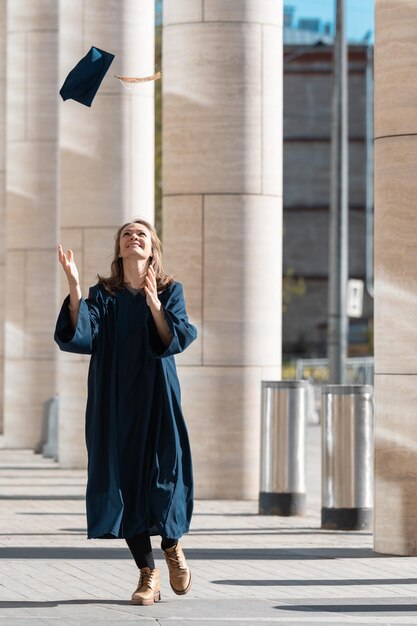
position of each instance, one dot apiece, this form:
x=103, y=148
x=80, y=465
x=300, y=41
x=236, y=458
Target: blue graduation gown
x=139, y=459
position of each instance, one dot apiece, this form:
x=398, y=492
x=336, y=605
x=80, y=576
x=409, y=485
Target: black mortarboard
x=83, y=81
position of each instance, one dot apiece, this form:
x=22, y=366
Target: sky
x=359, y=14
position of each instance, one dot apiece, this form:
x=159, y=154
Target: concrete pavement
x=247, y=569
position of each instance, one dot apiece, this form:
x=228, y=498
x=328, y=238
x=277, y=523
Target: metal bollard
x=347, y=456
x=283, y=450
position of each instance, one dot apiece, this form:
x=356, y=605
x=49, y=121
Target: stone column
x=395, y=277
x=222, y=214
x=3, y=32
x=31, y=157
x=107, y=166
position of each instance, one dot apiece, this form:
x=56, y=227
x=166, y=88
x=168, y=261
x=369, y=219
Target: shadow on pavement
x=333, y=582
x=277, y=531
x=221, y=554
x=22, y=604
x=32, y=497
x=35, y=513
x=351, y=608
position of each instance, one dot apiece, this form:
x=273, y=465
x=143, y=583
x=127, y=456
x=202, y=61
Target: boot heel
x=157, y=597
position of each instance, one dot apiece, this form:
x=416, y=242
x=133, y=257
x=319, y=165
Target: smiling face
x=135, y=242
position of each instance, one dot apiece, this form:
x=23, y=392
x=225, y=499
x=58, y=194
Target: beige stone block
x=30, y=314
x=222, y=410
x=15, y=83
x=182, y=12
x=258, y=11
x=40, y=87
x=395, y=256
x=242, y=281
x=2, y=320
x=3, y=47
x=98, y=254
x=3, y=58
x=1, y=395
x=26, y=15
x=41, y=344
x=69, y=357
x=2, y=217
x=40, y=301
x=102, y=24
x=31, y=195
x=395, y=513
x=14, y=303
x=93, y=164
x=72, y=403
x=71, y=43
x=28, y=385
x=271, y=373
x=138, y=56
x=272, y=110
x=140, y=155
x=70, y=238
x=183, y=258
x=2, y=132
x=212, y=133
x=395, y=70
x=3, y=19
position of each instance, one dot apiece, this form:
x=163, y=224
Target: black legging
x=141, y=549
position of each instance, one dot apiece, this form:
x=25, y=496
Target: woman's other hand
x=156, y=308
x=68, y=264
x=151, y=290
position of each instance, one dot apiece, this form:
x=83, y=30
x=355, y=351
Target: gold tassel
x=131, y=80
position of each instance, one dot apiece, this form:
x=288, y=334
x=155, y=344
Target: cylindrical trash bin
x=347, y=456
x=283, y=481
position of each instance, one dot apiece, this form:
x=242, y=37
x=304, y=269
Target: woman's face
x=135, y=242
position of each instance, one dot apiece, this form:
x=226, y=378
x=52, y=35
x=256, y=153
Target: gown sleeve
x=183, y=333
x=82, y=339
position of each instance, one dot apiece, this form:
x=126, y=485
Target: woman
x=139, y=460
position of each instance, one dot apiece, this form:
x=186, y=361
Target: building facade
x=306, y=193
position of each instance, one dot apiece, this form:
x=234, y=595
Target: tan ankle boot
x=148, y=590
x=179, y=573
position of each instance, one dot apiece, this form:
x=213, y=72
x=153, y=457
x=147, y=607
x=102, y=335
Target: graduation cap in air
x=83, y=81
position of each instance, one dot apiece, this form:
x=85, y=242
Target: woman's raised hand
x=68, y=264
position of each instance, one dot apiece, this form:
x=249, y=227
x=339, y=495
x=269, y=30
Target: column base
x=284, y=504
x=346, y=519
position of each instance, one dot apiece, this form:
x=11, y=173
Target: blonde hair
x=116, y=278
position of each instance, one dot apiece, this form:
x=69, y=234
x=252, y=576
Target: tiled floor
x=247, y=569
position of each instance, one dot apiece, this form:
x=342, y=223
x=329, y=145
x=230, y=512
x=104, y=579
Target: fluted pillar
x=222, y=213
x=31, y=157
x=107, y=165
x=3, y=32
x=395, y=277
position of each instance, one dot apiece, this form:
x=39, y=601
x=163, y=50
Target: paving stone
x=247, y=569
